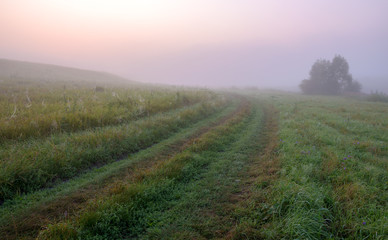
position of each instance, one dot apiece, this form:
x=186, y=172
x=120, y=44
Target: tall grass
x=132, y=207
x=31, y=205
x=28, y=166
x=334, y=170
x=34, y=111
x=377, y=97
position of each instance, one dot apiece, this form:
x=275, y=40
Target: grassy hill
x=127, y=161
x=27, y=72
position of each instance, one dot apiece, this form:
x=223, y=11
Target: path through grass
x=279, y=166
x=180, y=195
x=35, y=210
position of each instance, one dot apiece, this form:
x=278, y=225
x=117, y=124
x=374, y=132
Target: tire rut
x=263, y=171
x=28, y=225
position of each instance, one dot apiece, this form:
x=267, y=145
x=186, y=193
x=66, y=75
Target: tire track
x=29, y=224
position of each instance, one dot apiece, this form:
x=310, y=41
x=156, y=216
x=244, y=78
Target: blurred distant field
x=100, y=161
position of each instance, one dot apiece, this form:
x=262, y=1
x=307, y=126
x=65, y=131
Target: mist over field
x=193, y=119
x=267, y=44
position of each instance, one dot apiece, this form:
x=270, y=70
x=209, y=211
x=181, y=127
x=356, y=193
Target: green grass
x=377, y=97
x=23, y=206
x=34, y=111
x=333, y=181
x=170, y=188
x=205, y=204
x=286, y=166
x=29, y=166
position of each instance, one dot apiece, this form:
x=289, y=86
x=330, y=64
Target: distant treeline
x=377, y=97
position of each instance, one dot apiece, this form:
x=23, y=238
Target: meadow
x=146, y=162
x=332, y=183
x=37, y=110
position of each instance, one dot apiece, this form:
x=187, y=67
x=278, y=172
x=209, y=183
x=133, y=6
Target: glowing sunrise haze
x=205, y=43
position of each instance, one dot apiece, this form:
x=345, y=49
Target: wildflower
x=345, y=158
x=344, y=168
x=364, y=223
x=349, y=156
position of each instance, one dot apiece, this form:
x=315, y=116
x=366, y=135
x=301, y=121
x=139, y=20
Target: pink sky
x=198, y=42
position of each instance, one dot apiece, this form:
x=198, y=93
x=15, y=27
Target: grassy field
x=333, y=179
x=87, y=162
x=30, y=112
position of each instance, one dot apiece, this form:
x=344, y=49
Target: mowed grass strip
x=333, y=181
x=207, y=204
x=132, y=208
x=23, y=217
x=30, y=166
x=250, y=211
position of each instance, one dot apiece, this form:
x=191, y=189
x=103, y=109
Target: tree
x=353, y=87
x=330, y=78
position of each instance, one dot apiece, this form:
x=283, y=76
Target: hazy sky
x=264, y=43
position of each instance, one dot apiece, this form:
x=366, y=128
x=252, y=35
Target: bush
x=377, y=97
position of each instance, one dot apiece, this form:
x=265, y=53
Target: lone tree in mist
x=330, y=78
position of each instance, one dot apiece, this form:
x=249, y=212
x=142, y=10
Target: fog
x=267, y=44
